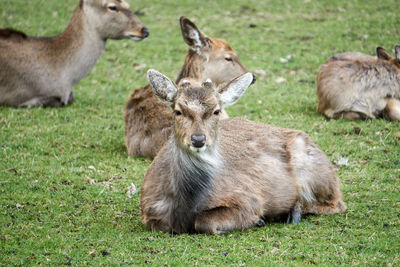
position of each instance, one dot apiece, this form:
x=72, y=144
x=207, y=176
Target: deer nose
x=145, y=32
x=198, y=140
x=254, y=79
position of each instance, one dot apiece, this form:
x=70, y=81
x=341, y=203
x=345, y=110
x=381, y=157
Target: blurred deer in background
x=147, y=120
x=42, y=71
x=350, y=56
x=214, y=176
x=361, y=89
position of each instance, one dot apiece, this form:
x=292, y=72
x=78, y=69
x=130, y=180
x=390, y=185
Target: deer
x=148, y=121
x=42, y=71
x=361, y=89
x=350, y=56
x=218, y=175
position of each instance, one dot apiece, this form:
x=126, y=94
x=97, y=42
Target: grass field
x=51, y=215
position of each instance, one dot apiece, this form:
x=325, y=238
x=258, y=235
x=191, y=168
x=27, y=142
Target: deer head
x=383, y=54
x=114, y=19
x=219, y=62
x=196, y=107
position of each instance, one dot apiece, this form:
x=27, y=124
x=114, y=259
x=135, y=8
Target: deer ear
x=235, y=89
x=382, y=53
x=397, y=52
x=162, y=86
x=192, y=36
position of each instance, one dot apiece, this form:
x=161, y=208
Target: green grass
x=51, y=215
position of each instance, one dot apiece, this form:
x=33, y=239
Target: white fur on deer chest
x=163, y=206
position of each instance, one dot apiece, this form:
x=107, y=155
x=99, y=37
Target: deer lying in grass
x=350, y=56
x=360, y=89
x=215, y=176
x=147, y=120
x=42, y=71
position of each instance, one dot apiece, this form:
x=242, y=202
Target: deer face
x=196, y=114
x=196, y=107
x=220, y=56
x=217, y=60
x=113, y=19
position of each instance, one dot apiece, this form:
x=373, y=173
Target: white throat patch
x=210, y=156
x=198, y=149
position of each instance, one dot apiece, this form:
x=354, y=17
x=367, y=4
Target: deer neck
x=193, y=66
x=394, y=79
x=79, y=47
x=192, y=182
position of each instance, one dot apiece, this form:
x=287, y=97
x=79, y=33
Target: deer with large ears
x=148, y=121
x=214, y=176
x=360, y=88
x=42, y=71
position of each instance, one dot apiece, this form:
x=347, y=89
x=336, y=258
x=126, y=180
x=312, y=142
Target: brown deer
x=361, y=89
x=350, y=56
x=147, y=120
x=42, y=71
x=215, y=176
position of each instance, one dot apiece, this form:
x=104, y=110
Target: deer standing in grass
x=360, y=89
x=148, y=121
x=42, y=71
x=214, y=176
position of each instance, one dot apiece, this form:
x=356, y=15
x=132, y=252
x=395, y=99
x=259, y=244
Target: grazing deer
x=147, y=120
x=361, y=89
x=42, y=71
x=215, y=176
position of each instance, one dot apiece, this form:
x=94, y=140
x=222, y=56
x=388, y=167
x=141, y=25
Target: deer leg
x=350, y=115
x=43, y=101
x=158, y=225
x=319, y=189
x=294, y=215
x=71, y=98
x=222, y=220
x=259, y=223
x=52, y=101
x=328, y=208
x=392, y=110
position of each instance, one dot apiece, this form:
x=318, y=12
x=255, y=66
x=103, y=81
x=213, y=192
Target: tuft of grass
x=51, y=215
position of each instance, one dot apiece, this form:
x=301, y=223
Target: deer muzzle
x=198, y=141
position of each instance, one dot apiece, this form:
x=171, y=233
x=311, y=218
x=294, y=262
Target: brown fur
x=147, y=120
x=248, y=172
x=360, y=89
x=42, y=71
x=352, y=56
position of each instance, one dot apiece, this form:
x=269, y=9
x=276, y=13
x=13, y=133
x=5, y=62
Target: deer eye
x=113, y=8
x=228, y=59
x=216, y=112
x=177, y=112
